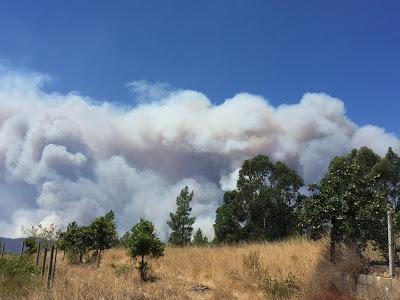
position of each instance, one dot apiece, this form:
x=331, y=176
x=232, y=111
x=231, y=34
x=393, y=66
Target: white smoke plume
x=67, y=157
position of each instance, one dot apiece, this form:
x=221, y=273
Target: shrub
x=253, y=266
x=274, y=287
x=17, y=275
x=121, y=269
x=280, y=288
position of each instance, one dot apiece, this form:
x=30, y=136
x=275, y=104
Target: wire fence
x=45, y=259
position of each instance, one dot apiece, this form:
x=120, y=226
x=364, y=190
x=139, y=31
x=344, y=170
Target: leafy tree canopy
x=103, y=232
x=388, y=172
x=262, y=207
x=349, y=201
x=75, y=241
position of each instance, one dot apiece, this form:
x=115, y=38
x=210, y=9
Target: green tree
x=263, y=205
x=103, y=232
x=76, y=241
x=199, y=239
x=228, y=220
x=124, y=239
x=348, y=203
x=181, y=222
x=143, y=241
x=388, y=172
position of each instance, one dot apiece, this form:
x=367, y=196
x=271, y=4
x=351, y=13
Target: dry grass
x=219, y=268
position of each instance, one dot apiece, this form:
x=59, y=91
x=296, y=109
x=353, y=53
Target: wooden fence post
x=54, y=267
x=44, y=261
x=50, y=267
x=390, y=243
x=37, y=255
x=3, y=249
x=22, y=247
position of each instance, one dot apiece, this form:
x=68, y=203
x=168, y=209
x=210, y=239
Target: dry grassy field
x=290, y=269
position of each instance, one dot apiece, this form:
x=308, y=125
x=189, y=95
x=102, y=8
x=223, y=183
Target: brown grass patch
x=218, y=268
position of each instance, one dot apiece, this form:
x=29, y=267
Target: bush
x=280, y=288
x=17, y=275
x=121, y=269
x=274, y=287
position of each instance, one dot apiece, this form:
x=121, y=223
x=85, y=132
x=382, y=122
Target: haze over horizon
x=126, y=105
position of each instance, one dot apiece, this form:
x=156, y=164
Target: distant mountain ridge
x=12, y=245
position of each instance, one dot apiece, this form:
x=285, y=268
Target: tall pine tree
x=181, y=222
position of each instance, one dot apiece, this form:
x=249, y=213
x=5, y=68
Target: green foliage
x=227, y=225
x=124, y=239
x=350, y=201
x=76, y=241
x=143, y=241
x=274, y=287
x=17, y=276
x=181, y=222
x=199, y=239
x=387, y=171
x=103, y=232
x=30, y=245
x=60, y=243
x=263, y=205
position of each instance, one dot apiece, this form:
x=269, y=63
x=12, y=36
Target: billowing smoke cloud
x=66, y=157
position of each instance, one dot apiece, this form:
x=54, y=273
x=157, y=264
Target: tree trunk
x=98, y=259
x=142, y=270
x=333, y=239
x=37, y=255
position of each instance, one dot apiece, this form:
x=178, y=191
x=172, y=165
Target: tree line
x=349, y=203
x=77, y=241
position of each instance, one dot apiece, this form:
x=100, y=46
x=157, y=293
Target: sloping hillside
x=12, y=245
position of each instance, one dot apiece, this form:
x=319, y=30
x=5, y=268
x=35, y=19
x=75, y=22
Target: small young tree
x=143, y=241
x=104, y=233
x=60, y=244
x=76, y=241
x=181, y=222
x=199, y=239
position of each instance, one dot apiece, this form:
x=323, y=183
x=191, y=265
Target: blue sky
x=279, y=49
x=64, y=158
